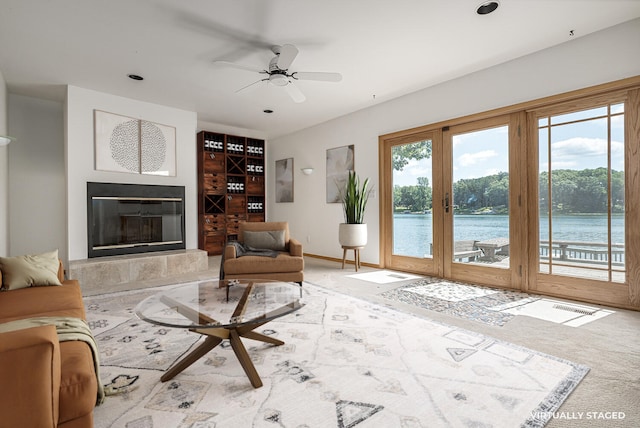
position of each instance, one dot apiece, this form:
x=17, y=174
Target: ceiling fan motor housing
x=279, y=79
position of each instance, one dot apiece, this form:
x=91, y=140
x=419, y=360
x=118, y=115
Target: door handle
x=445, y=202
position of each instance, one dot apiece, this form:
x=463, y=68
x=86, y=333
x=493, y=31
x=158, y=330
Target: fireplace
x=134, y=218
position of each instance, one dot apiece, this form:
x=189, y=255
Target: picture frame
x=284, y=180
x=130, y=145
x=340, y=160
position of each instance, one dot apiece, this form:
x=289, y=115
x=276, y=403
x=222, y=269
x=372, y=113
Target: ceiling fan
x=278, y=73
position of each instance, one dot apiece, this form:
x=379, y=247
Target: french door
x=540, y=197
x=448, y=202
x=582, y=242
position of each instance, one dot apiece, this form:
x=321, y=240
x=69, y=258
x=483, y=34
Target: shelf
x=231, y=187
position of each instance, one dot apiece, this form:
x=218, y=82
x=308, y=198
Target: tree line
x=572, y=192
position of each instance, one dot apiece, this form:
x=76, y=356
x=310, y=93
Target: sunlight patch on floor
x=559, y=312
x=383, y=276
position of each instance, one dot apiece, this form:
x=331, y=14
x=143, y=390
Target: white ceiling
x=383, y=48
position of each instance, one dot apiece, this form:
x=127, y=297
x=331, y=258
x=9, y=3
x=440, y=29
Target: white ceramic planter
x=352, y=235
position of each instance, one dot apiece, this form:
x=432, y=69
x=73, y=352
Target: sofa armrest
x=229, y=252
x=295, y=247
x=30, y=373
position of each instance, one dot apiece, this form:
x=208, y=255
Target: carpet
x=494, y=306
x=345, y=363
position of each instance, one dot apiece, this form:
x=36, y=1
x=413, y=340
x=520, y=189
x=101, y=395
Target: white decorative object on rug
x=345, y=363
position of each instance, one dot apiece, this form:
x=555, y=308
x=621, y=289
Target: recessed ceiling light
x=135, y=77
x=267, y=110
x=487, y=7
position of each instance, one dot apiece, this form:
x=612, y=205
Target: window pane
x=617, y=108
x=412, y=190
x=579, y=115
x=582, y=219
x=481, y=197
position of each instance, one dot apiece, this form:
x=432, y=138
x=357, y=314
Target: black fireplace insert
x=134, y=218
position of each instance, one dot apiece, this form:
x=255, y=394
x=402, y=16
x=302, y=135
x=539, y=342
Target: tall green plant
x=354, y=199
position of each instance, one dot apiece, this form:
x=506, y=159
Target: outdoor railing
x=579, y=251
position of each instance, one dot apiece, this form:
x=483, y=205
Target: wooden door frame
x=425, y=266
x=618, y=294
x=523, y=193
x=510, y=277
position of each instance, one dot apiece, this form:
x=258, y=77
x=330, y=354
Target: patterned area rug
x=345, y=363
x=493, y=306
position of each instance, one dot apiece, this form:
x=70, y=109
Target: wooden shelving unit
x=231, y=187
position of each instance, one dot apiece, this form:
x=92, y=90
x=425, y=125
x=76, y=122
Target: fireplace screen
x=125, y=219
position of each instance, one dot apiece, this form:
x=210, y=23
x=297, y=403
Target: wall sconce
x=307, y=171
x=5, y=140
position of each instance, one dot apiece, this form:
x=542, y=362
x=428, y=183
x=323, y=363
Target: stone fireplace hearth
x=151, y=269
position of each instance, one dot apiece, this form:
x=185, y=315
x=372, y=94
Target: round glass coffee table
x=222, y=309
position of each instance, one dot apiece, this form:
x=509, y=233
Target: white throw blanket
x=68, y=328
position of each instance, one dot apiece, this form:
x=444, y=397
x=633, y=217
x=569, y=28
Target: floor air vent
x=583, y=311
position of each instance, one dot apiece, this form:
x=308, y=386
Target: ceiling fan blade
x=295, y=93
x=321, y=76
x=240, y=66
x=287, y=54
x=250, y=85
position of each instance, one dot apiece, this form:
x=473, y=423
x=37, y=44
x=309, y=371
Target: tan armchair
x=287, y=266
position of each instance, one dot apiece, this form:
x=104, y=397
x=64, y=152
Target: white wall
x=80, y=104
x=230, y=130
x=37, y=211
x=609, y=55
x=4, y=173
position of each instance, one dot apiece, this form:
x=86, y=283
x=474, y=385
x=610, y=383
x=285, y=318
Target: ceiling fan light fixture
x=5, y=140
x=278, y=80
x=487, y=7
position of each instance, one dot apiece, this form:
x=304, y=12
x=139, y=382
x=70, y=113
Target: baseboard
x=337, y=260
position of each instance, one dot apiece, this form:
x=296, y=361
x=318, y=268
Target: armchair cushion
x=268, y=239
x=257, y=226
x=258, y=264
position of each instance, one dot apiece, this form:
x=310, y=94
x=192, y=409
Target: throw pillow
x=30, y=270
x=270, y=239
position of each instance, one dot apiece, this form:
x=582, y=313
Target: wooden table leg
x=217, y=335
x=206, y=346
x=262, y=338
x=344, y=256
x=245, y=359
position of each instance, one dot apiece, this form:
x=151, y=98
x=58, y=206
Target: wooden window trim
x=627, y=90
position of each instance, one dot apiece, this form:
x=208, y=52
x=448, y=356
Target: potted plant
x=354, y=197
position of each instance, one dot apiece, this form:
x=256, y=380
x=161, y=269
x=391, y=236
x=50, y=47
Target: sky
x=574, y=145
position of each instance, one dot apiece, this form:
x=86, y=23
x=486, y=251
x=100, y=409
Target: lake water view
x=413, y=232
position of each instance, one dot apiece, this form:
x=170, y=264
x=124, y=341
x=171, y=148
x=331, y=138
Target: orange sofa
x=45, y=382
